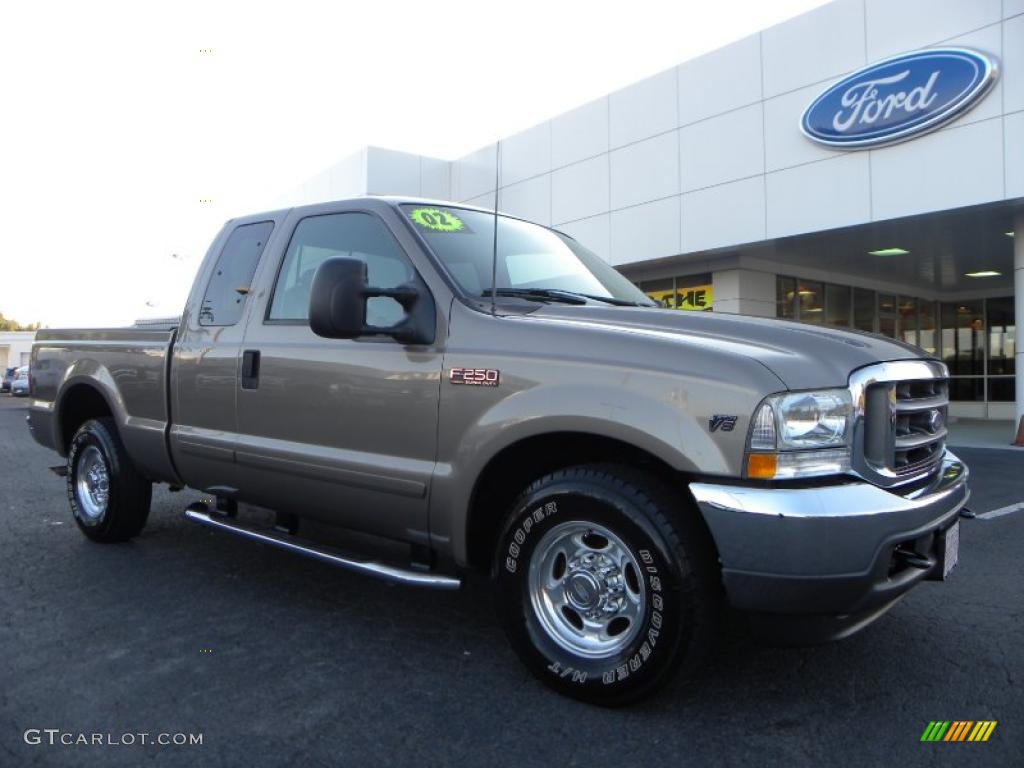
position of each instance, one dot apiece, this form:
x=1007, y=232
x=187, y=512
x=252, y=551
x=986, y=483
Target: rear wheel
x=109, y=498
x=604, y=583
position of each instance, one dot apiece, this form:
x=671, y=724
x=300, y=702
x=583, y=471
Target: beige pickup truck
x=481, y=393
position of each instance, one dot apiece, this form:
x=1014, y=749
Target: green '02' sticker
x=436, y=220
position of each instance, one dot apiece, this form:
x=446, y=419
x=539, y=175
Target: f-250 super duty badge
x=477, y=377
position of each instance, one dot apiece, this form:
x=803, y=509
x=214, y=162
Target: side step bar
x=199, y=513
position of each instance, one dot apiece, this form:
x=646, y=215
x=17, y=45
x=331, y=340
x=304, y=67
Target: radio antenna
x=494, y=245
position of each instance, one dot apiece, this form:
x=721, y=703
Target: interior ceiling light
x=983, y=273
x=889, y=252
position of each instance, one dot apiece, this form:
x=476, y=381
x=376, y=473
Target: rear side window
x=223, y=301
x=353, y=235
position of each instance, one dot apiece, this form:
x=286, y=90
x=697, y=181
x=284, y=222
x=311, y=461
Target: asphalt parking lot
x=276, y=660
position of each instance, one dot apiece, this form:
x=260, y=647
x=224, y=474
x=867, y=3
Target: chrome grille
x=900, y=427
x=919, y=425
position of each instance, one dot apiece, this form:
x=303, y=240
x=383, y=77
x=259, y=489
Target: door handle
x=250, y=369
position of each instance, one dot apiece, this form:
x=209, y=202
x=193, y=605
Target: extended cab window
x=229, y=283
x=352, y=235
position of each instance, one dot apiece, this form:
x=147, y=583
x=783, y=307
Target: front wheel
x=606, y=583
x=109, y=498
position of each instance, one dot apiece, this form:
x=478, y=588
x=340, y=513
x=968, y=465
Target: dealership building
x=822, y=170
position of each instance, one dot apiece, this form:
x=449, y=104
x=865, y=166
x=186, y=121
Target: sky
x=131, y=131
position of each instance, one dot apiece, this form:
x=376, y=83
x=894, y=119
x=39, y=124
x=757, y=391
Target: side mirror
x=337, y=305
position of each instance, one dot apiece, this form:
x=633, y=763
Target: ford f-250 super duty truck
x=620, y=471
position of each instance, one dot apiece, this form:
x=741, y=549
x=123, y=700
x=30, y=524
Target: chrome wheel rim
x=586, y=589
x=92, y=483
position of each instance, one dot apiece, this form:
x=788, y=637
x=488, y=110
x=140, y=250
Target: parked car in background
x=8, y=378
x=19, y=385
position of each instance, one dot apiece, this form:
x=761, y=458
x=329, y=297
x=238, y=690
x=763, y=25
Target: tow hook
x=968, y=514
x=913, y=559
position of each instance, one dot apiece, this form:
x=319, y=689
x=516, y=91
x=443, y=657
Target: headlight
x=801, y=434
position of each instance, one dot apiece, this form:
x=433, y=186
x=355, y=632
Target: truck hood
x=802, y=356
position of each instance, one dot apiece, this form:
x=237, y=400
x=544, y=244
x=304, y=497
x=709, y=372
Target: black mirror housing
x=337, y=305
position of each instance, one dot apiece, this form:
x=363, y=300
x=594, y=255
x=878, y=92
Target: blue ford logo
x=899, y=98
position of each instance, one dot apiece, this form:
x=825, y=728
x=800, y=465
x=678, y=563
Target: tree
x=7, y=324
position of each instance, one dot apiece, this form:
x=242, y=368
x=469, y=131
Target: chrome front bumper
x=829, y=549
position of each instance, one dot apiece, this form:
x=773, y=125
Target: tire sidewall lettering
x=519, y=535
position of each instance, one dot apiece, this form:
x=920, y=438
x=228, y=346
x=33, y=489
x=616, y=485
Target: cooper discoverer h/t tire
x=109, y=499
x=606, y=583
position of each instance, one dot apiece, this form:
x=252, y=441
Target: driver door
x=343, y=430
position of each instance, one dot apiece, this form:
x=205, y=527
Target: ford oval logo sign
x=899, y=98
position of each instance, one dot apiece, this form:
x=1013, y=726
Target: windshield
x=530, y=257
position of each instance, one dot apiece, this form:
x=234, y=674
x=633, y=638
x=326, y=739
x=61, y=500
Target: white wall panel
x=814, y=46
x=645, y=171
x=784, y=144
x=1013, y=130
x=903, y=25
x=435, y=178
x=645, y=232
x=580, y=134
x=728, y=214
x=823, y=195
x=643, y=109
x=392, y=173
x=530, y=199
x=721, y=80
x=526, y=154
x=947, y=169
x=1013, y=64
x=721, y=149
x=473, y=175
x=580, y=190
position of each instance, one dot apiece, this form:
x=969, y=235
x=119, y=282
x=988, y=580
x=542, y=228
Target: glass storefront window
x=1001, y=389
x=863, y=309
x=926, y=325
x=968, y=388
x=963, y=338
x=907, y=308
x=811, y=301
x=1001, y=336
x=977, y=339
x=837, y=305
x=785, y=297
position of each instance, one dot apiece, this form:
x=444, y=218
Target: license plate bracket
x=948, y=549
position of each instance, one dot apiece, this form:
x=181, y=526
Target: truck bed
x=128, y=367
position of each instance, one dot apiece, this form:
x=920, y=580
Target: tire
x=605, y=584
x=109, y=498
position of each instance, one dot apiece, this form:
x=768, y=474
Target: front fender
x=660, y=426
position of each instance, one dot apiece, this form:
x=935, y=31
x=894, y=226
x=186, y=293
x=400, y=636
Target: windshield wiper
x=617, y=302
x=563, y=296
x=541, y=294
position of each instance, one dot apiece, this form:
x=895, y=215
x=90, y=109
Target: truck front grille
x=902, y=412
x=920, y=424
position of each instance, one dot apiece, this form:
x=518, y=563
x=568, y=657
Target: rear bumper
x=826, y=556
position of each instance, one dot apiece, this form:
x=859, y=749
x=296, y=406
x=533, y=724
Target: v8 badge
x=721, y=422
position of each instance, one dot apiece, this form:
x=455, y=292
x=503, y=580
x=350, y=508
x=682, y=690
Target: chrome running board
x=199, y=513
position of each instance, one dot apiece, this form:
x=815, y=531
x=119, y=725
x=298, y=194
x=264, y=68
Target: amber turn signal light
x=762, y=465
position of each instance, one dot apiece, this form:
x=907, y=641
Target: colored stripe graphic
x=958, y=730
x=935, y=730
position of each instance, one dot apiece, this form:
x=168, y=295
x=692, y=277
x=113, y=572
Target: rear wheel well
x=79, y=404
x=511, y=470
